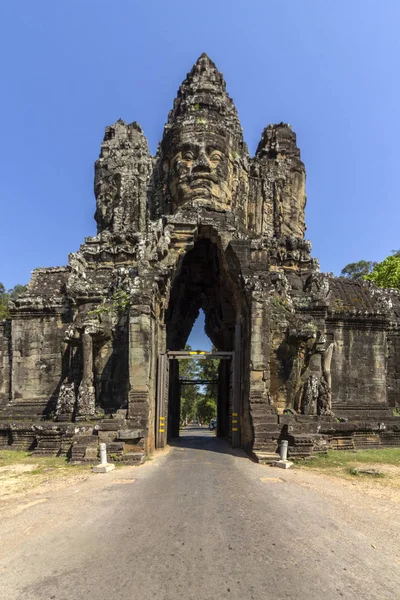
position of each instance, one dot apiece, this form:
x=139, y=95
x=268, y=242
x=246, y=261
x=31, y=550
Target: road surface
x=201, y=522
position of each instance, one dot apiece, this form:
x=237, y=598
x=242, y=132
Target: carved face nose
x=201, y=164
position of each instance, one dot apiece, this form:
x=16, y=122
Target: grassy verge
x=21, y=471
x=340, y=458
x=372, y=464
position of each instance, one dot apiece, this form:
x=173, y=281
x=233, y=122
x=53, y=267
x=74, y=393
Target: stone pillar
x=259, y=351
x=141, y=362
x=86, y=395
x=259, y=384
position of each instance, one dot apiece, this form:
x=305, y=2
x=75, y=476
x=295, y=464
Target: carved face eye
x=215, y=157
x=188, y=155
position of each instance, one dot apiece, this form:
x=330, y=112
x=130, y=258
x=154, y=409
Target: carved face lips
x=202, y=182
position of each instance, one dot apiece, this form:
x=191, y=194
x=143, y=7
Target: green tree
x=5, y=297
x=195, y=399
x=206, y=409
x=4, y=312
x=17, y=290
x=207, y=404
x=358, y=270
x=386, y=274
x=190, y=394
x=189, y=399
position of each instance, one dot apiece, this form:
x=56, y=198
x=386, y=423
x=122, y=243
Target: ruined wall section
x=391, y=298
x=122, y=175
x=357, y=324
x=358, y=364
x=393, y=367
x=37, y=362
x=40, y=317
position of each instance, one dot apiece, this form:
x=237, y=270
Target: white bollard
x=103, y=467
x=103, y=454
x=283, y=450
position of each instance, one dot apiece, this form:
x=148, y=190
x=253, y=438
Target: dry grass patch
x=381, y=466
x=21, y=471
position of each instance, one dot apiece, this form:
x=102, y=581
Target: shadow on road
x=201, y=438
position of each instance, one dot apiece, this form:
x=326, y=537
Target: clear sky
x=330, y=68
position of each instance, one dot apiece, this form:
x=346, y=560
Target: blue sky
x=68, y=68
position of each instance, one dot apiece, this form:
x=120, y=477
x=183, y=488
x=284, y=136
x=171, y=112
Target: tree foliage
x=5, y=297
x=207, y=405
x=358, y=270
x=206, y=409
x=386, y=274
x=190, y=394
x=198, y=400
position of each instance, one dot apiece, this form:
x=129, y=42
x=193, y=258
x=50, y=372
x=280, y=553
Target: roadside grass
x=10, y=458
x=21, y=471
x=381, y=465
x=340, y=458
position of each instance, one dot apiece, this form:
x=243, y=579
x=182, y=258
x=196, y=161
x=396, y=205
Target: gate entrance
x=168, y=395
x=207, y=278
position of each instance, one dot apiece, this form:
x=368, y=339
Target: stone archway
x=208, y=278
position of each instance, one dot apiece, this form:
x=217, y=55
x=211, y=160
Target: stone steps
x=21, y=411
x=390, y=438
x=85, y=448
x=130, y=458
x=266, y=458
x=342, y=442
x=362, y=411
x=265, y=427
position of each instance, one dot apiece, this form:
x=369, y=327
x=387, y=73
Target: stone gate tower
x=202, y=225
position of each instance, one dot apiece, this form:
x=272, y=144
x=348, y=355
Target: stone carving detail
x=203, y=156
x=121, y=179
x=66, y=401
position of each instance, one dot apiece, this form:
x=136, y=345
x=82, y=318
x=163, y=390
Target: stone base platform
x=310, y=434
x=77, y=441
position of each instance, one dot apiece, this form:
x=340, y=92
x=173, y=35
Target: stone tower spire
x=202, y=153
x=283, y=177
x=121, y=177
x=202, y=100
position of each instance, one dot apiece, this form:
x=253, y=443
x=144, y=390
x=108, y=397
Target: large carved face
x=201, y=168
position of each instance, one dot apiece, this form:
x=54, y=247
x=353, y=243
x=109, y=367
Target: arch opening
x=205, y=282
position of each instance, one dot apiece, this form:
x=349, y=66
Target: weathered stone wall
x=37, y=358
x=393, y=368
x=5, y=355
x=358, y=365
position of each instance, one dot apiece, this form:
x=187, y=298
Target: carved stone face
x=201, y=168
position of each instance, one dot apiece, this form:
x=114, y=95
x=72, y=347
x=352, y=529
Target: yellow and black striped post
x=235, y=421
x=235, y=430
